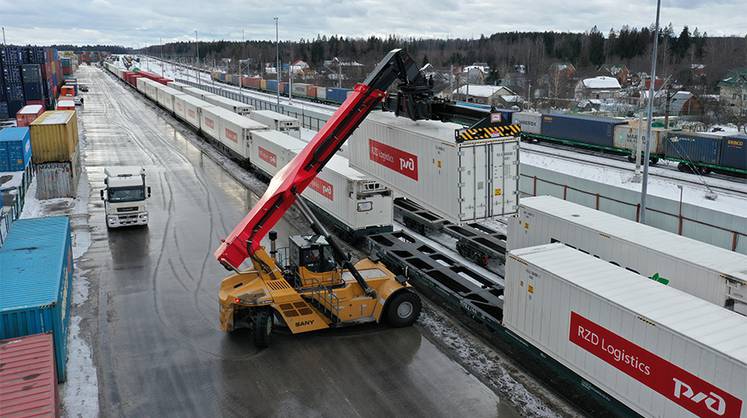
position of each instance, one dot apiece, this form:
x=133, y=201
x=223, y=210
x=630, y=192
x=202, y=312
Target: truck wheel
x=262, y=328
x=403, y=309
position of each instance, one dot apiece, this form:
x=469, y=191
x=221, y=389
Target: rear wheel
x=262, y=328
x=403, y=309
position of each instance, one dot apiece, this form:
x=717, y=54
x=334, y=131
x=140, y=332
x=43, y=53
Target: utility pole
x=241, y=75
x=4, y=44
x=161, y=42
x=277, y=61
x=197, y=50
x=647, y=153
x=339, y=73
x=290, y=76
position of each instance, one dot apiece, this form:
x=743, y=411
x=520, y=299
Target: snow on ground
x=665, y=188
x=487, y=364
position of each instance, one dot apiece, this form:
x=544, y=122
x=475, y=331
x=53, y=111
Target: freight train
x=692, y=151
x=350, y=201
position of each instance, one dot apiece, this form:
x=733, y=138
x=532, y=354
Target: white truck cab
x=124, y=196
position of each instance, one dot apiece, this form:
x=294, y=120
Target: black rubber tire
x=262, y=330
x=397, y=317
x=654, y=160
x=631, y=158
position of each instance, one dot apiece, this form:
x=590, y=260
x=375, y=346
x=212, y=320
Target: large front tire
x=403, y=309
x=262, y=328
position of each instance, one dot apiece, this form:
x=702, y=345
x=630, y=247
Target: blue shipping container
x=336, y=94
x=694, y=147
x=36, y=273
x=583, y=129
x=15, y=149
x=272, y=85
x=734, y=152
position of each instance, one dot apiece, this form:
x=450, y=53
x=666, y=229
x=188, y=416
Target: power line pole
x=197, y=50
x=647, y=153
x=160, y=40
x=277, y=61
x=4, y=44
x=241, y=75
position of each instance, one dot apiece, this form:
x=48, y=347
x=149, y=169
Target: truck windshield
x=126, y=194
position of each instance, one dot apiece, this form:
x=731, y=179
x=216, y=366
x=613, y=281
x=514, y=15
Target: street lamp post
x=277, y=61
x=647, y=152
x=241, y=75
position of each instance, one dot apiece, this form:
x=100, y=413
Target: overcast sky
x=144, y=22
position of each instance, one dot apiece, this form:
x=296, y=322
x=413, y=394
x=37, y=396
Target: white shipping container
x=140, y=83
x=352, y=198
x=277, y=121
x=228, y=104
x=235, y=131
x=530, y=122
x=151, y=89
x=711, y=273
x=210, y=121
x=462, y=182
x=300, y=89
x=321, y=93
x=189, y=109
x=658, y=350
x=176, y=85
x=272, y=150
x=166, y=97
x=626, y=137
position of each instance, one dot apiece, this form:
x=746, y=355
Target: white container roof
x=728, y=263
x=30, y=109
x=705, y=323
x=242, y=121
x=601, y=82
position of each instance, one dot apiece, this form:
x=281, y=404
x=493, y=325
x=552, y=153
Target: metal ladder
x=325, y=300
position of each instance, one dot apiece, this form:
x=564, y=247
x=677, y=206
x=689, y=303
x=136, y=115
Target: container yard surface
x=152, y=312
x=28, y=383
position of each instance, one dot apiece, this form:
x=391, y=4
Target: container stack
x=28, y=75
x=54, y=145
x=69, y=62
x=36, y=266
x=11, y=96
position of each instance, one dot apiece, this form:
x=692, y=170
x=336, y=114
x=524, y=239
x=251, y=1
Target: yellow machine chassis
x=308, y=307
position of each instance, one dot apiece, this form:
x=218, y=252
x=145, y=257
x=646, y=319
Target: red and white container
x=166, y=97
x=272, y=150
x=462, y=182
x=28, y=381
x=658, y=350
x=65, y=104
x=189, y=109
x=703, y=270
x=28, y=113
x=277, y=121
x=230, y=129
x=228, y=104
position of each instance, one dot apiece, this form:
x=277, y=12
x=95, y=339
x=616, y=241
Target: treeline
x=114, y=49
x=502, y=51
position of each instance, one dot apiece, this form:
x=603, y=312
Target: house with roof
x=733, y=91
x=500, y=96
x=600, y=87
x=619, y=71
x=684, y=103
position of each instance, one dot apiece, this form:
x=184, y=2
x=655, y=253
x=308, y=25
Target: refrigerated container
x=356, y=203
x=734, y=152
x=271, y=150
x=661, y=352
x=228, y=104
x=54, y=136
x=462, y=182
x=694, y=147
x=230, y=129
x=189, y=109
x=166, y=97
x=277, y=121
x=711, y=273
x=36, y=266
x=15, y=149
x=177, y=85
x=585, y=129
x=626, y=137
x=28, y=380
x=530, y=122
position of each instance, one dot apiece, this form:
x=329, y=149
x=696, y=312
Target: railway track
x=734, y=190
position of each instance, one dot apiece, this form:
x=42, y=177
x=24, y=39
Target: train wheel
x=683, y=167
x=654, y=160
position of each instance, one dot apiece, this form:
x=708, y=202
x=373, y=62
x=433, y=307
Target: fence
x=674, y=221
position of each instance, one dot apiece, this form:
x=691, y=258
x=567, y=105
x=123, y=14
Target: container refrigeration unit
x=655, y=349
x=461, y=181
x=703, y=270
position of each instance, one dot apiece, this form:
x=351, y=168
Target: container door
x=473, y=198
x=504, y=177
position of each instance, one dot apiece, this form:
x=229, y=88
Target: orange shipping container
x=27, y=114
x=67, y=91
x=54, y=136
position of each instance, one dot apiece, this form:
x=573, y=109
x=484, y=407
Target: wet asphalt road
x=157, y=346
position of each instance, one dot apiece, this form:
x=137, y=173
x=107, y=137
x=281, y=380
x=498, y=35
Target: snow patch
x=484, y=362
x=81, y=390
